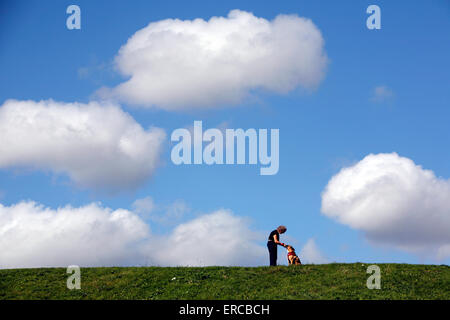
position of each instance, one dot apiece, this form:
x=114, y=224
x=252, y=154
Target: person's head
x=290, y=249
x=281, y=229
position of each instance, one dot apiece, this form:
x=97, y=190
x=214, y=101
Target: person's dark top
x=274, y=232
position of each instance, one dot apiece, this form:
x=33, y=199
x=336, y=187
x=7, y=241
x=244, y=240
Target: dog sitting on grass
x=292, y=257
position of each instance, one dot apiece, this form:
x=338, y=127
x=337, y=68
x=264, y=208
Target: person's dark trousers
x=272, y=246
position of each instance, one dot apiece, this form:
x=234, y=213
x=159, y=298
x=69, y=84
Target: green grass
x=330, y=281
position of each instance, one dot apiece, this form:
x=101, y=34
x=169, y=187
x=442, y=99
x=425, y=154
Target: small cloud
x=175, y=211
x=83, y=72
x=382, y=94
x=96, y=72
x=311, y=253
x=144, y=206
x=168, y=215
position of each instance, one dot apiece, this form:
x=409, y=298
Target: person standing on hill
x=273, y=241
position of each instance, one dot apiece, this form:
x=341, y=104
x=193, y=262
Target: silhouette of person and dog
x=274, y=240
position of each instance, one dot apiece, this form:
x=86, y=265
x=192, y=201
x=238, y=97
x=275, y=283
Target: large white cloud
x=219, y=238
x=394, y=202
x=95, y=144
x=175, y=64
x=34, y=236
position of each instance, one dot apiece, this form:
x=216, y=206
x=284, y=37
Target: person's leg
x=275, y=254
x=269, y=247
x=272, y=253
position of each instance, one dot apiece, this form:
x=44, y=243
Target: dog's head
x=290, y=249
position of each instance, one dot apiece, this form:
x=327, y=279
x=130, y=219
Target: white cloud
x=382, y=94
x=394, y=202
x=168, y=215
x=34, y=236
x=97, y=145
x=311, y=253
x=144, y=206
x=219, y=238
x=173, y=213
x=175, y=64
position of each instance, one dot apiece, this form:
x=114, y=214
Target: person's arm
x=275, y=239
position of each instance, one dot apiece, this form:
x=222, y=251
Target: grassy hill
x=330, y=281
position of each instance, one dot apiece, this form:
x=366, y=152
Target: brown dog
x=292, y=257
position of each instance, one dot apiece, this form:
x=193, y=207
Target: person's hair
x=281, y=229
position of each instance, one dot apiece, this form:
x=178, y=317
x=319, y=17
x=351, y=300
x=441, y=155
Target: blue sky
x=334, y=126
